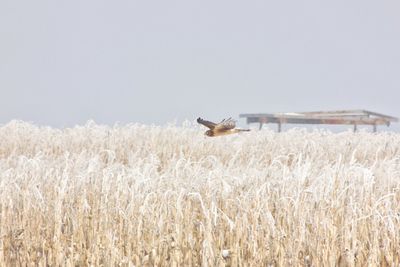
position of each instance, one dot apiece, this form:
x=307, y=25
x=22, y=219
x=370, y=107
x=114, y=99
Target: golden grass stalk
x=138, y=195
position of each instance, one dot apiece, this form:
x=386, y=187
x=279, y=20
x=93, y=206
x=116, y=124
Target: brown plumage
x=223, y=128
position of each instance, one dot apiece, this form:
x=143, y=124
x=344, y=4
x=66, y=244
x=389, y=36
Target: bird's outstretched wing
x=225, y=125
x=208, y=124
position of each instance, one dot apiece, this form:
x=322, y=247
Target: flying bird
x=223, y=128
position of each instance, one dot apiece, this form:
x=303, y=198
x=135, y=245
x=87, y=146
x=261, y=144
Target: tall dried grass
x=140, y=195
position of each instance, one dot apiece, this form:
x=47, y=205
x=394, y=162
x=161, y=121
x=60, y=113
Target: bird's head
x=209, y=133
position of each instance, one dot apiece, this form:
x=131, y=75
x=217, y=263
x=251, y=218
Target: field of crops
x=137, y=195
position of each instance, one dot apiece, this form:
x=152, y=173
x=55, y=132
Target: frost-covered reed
x=138, y=195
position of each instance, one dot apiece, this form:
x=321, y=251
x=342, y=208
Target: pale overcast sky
x=65, y=62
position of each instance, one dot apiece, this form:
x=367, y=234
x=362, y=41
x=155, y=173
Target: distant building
x=340, y=117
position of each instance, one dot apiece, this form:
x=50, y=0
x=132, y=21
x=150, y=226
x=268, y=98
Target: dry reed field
x=137, y=195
